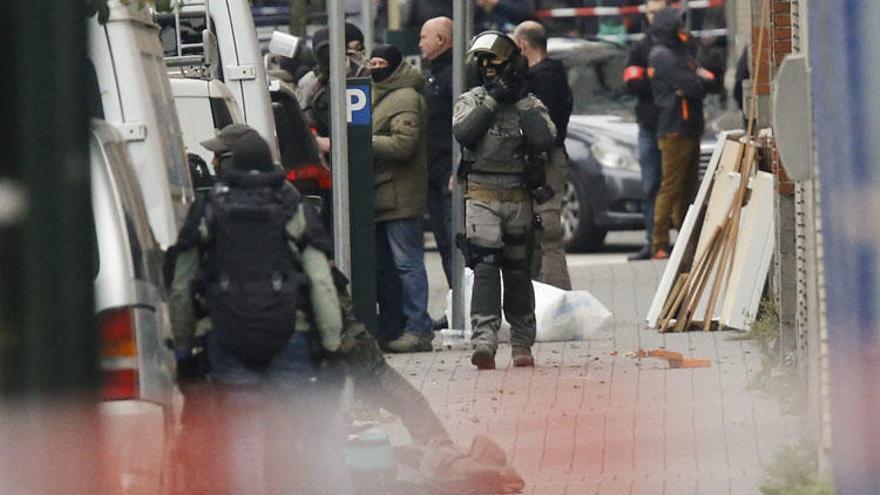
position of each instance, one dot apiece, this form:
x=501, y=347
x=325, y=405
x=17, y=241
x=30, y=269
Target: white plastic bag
x=560, y=315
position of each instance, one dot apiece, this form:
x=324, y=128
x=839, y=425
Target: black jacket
x=635, y=76
x=678, y=91
x=438, y=96
x=548, y=81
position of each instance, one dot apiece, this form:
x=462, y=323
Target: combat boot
x=412, y=342
x=483, y=357
x=522, y=357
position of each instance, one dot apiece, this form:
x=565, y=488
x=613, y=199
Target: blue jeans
x=402, y=282
x=440, y=216
x=269, y=414
x=650, y=163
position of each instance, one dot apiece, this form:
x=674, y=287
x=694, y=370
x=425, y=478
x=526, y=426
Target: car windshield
x=595, y=77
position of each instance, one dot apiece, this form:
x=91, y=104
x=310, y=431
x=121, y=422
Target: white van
x=136, y=99
x=239, y=60
x=137, y=367
x=203, y=107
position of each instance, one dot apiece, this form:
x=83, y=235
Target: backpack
x=252, y=280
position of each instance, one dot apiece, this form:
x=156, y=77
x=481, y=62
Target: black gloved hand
x=500, y=90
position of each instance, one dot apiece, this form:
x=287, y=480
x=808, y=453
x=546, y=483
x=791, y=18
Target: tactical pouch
x=535, y=253
x=462, y=243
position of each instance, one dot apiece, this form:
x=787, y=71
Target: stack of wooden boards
x=719, y=265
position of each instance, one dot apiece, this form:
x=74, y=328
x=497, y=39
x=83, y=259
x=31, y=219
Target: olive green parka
x=400, y=136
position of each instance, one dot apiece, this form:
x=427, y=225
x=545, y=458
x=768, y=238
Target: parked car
x=603, y=192
x=138, y=418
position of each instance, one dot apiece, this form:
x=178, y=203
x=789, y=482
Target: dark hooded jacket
x=549, y=82
x=678, y=91
x=635, y=76
x=438, y=96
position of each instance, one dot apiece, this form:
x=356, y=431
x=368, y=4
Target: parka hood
x=667, y=24
x=406, y=76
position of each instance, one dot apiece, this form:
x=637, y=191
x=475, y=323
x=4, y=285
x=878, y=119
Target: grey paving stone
x=592, y=418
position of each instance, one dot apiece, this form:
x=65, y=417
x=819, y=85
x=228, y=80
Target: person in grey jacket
x=499, y=125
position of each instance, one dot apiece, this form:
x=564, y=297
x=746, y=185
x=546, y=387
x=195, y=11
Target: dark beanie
x=251, y=152
x=353, y=33
x=320, y=38
x=392, y=55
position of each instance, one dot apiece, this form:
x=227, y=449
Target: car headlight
x=614, y=156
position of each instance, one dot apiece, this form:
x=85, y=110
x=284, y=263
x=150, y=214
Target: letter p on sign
x=358, y=112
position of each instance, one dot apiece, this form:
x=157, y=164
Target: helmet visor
x=497, y=47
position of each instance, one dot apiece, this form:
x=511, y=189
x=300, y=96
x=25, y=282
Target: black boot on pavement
x=522, y=357
x=644, y=254
x=412, y=342
x=483, y=357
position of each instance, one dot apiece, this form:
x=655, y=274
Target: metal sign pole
x=459, y=45
x=361, y=191
x=339, y=137
x=369, y=30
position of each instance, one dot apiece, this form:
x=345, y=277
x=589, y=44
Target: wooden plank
x=727, y=256
x=724, y=191
x=754, y=253
x=704, y=270
x=674, y=299
x=673, y=265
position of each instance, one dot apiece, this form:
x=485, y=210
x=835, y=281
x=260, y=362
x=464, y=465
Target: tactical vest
x=501, y=149
x=252, y=279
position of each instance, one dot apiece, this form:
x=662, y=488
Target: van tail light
x=119, y=363
x=316, y=172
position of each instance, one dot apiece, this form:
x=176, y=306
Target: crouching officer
x=500, y=126
x=252, y=255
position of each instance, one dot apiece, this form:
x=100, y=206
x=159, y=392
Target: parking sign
x=359, y=107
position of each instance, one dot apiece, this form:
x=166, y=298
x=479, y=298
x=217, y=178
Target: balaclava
x=392, y=55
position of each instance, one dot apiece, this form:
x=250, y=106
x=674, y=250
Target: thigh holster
x=475, y=255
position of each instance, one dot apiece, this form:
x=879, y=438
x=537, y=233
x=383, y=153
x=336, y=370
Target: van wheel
x=580, y=232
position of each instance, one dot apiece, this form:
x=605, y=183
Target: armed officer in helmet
x=501, y=127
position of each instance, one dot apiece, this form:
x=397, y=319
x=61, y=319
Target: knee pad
x=517, y=251
x=519, y=296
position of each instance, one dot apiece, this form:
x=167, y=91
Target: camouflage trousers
x=501, y=232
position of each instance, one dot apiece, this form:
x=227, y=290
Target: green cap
x=226, y=138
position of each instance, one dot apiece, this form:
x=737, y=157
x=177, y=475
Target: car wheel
x=580, y=232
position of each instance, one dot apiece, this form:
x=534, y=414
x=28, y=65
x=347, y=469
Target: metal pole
x=459, y=46
x=369, y=31
x=339, y=136
x=468, y=23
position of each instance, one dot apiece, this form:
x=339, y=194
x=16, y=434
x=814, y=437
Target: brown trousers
x=678, y=186
x=554, y=269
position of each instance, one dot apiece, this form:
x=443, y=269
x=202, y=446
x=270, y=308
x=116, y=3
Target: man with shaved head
x=547, y=79
x=435, y=43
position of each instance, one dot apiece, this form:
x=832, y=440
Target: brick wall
x=780, y=20
x=778, y=36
